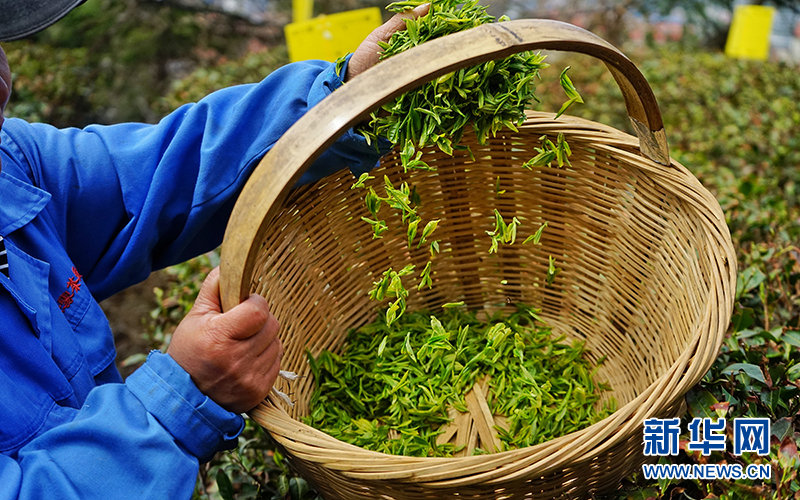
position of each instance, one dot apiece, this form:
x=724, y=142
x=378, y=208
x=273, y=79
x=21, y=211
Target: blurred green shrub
x=108, y=61
x=173, y=302
x=43, y=95
x=250, y=68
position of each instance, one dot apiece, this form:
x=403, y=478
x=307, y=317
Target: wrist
x=194, y=420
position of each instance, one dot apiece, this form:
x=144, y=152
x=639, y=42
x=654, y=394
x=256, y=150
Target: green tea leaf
x=430, y=227
x=391, y=313
x=753, y=371
x=552, y=270
x=339, y=64
x=412, y=230
x=434, y=248
x=453, y=304
x=361, y=180
x=224, y=485
x=570, y=90
x=407, y=349
x=382, y=347
x=537, y=236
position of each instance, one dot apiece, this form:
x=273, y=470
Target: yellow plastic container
x=329, y=37
x=749, y=34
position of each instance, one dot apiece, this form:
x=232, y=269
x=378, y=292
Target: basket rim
x=270, y=183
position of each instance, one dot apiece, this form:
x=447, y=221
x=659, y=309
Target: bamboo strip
x=482, y=419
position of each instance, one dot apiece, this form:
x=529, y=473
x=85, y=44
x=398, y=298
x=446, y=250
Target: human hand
x=232, y=357
x=368, y=53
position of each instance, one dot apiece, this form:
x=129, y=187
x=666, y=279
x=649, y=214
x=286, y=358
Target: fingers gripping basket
x=648, y=267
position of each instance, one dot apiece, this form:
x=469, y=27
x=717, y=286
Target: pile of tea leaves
x=391, y=387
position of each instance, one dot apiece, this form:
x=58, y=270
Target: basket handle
x=296, y=150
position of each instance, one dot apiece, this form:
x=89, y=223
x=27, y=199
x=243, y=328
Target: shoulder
x=29, y=145
x=15, y=150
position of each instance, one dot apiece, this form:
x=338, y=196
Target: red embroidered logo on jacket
x=73, y=285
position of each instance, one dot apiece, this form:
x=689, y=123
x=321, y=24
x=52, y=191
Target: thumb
x=245, y=319
x=368, y=53
x=397, y=22
x=208, y=300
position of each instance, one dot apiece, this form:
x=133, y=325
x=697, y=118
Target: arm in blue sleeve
x=131, y=198
x=143, y=439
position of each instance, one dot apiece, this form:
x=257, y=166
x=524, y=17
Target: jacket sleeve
x=131, y=198
x=141, y=439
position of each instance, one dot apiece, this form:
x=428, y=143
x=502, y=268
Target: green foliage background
x=733, y=123
x=118, y=60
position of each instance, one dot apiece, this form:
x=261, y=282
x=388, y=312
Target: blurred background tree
x=119, y=60
x=110, y=60
x=710, y=17
x=707, y=20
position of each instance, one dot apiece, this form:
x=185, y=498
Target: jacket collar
x=20, y=202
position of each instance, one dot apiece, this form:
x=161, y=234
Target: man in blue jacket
x=87, y=213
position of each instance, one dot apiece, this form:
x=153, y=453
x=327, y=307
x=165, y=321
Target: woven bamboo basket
x=648, y=267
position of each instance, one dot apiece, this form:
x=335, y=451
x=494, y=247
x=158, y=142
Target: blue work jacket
x=87, y=213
